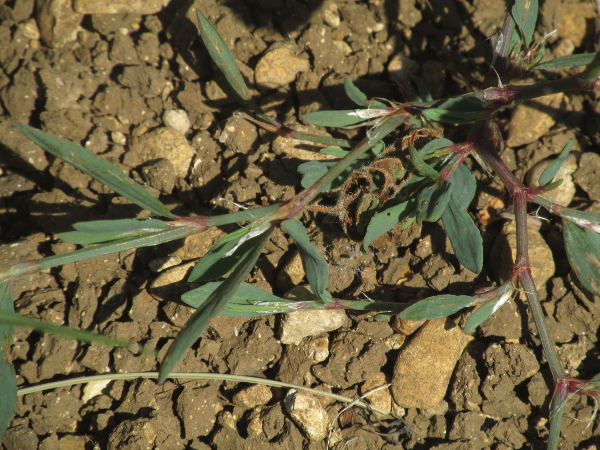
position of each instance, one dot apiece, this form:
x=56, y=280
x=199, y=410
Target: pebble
x=291, y=274
x=531, y=120
x=308, y=413
x=253, y=396
x=405, y=327
x=278, y=68
x=177, y=119
x=173, y=275
x=588, y=174
x=118, y=138
x=159, y=175
x=564, y=193
x=424, y=366
x=317, y=348
x=58, y=23
x=540, y=255
x=161, y=264
x=29, y=29
x=298, y=325
x=380, y=398
x=331, y=18
x=401, y=67
x=93, y=389
x=119, y=6
x=165, y=143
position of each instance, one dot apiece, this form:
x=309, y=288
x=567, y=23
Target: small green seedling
x=412, y=174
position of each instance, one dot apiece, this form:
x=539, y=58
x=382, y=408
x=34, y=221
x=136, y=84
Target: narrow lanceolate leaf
x=214, y=304
x=525, y=13
x=458, y=110
x=384, y=221
x=8, y=392
x=420, y=165
x=436, y=307
x=8, y=378
x=550, y=172
x=146, y=240
x=583, y=251
x=463, y=185
x=244, y=303
x=341, y=118
x=97, y=231
x=358, y=97
x=422, y=89
x=434, y=145
x=432, y=201
x=97, y=168
x=316, y=268
x=464, y=235
x=480, y=315
x=16, y=320
x=222, y=56
x=222, y=258
x=354, y=93
x=567, y=62
x=313, y=170
x=6, y=305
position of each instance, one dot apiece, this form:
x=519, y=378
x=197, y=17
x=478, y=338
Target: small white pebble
x=331, y=19
x=177, y=119
x=118, y=138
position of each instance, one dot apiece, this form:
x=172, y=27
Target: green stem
x=523, y=272
x=592, y=71
x=147, y=240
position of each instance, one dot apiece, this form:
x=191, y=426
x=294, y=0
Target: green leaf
x=221, y=259
x=384, y=221
x=566, y=62
x=97, y=168
x=214, y=304
x=8, y=393
x=242, y=303
x=422, y=89
x=222, y=56
x=464, y=235
x=432, y=201
x=583, y=252
x=354, y=93
x=480, y=315
x=458, y=110
x=434, y=145
x=16, y=320
x=313, y=170
x=420, y=165
x=525, y=13
x=316, y=268
x=97, y=231
x=341, y=118
x=148, y=240
x=463, y=184
x=358, y=97
x=6, y=305
x=8, y=378
x=436, y=307
x=550, y=172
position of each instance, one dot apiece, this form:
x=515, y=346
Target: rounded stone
x=278, y=67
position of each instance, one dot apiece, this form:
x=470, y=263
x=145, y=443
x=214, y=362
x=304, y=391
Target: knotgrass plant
x=411, y=173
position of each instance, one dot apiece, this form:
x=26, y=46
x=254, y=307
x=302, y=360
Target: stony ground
x=136, y=87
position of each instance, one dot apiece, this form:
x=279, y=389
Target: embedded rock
x=424, y=366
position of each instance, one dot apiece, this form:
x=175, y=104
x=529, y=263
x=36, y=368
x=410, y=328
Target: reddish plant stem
x=486, y=142
x=522, y=271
